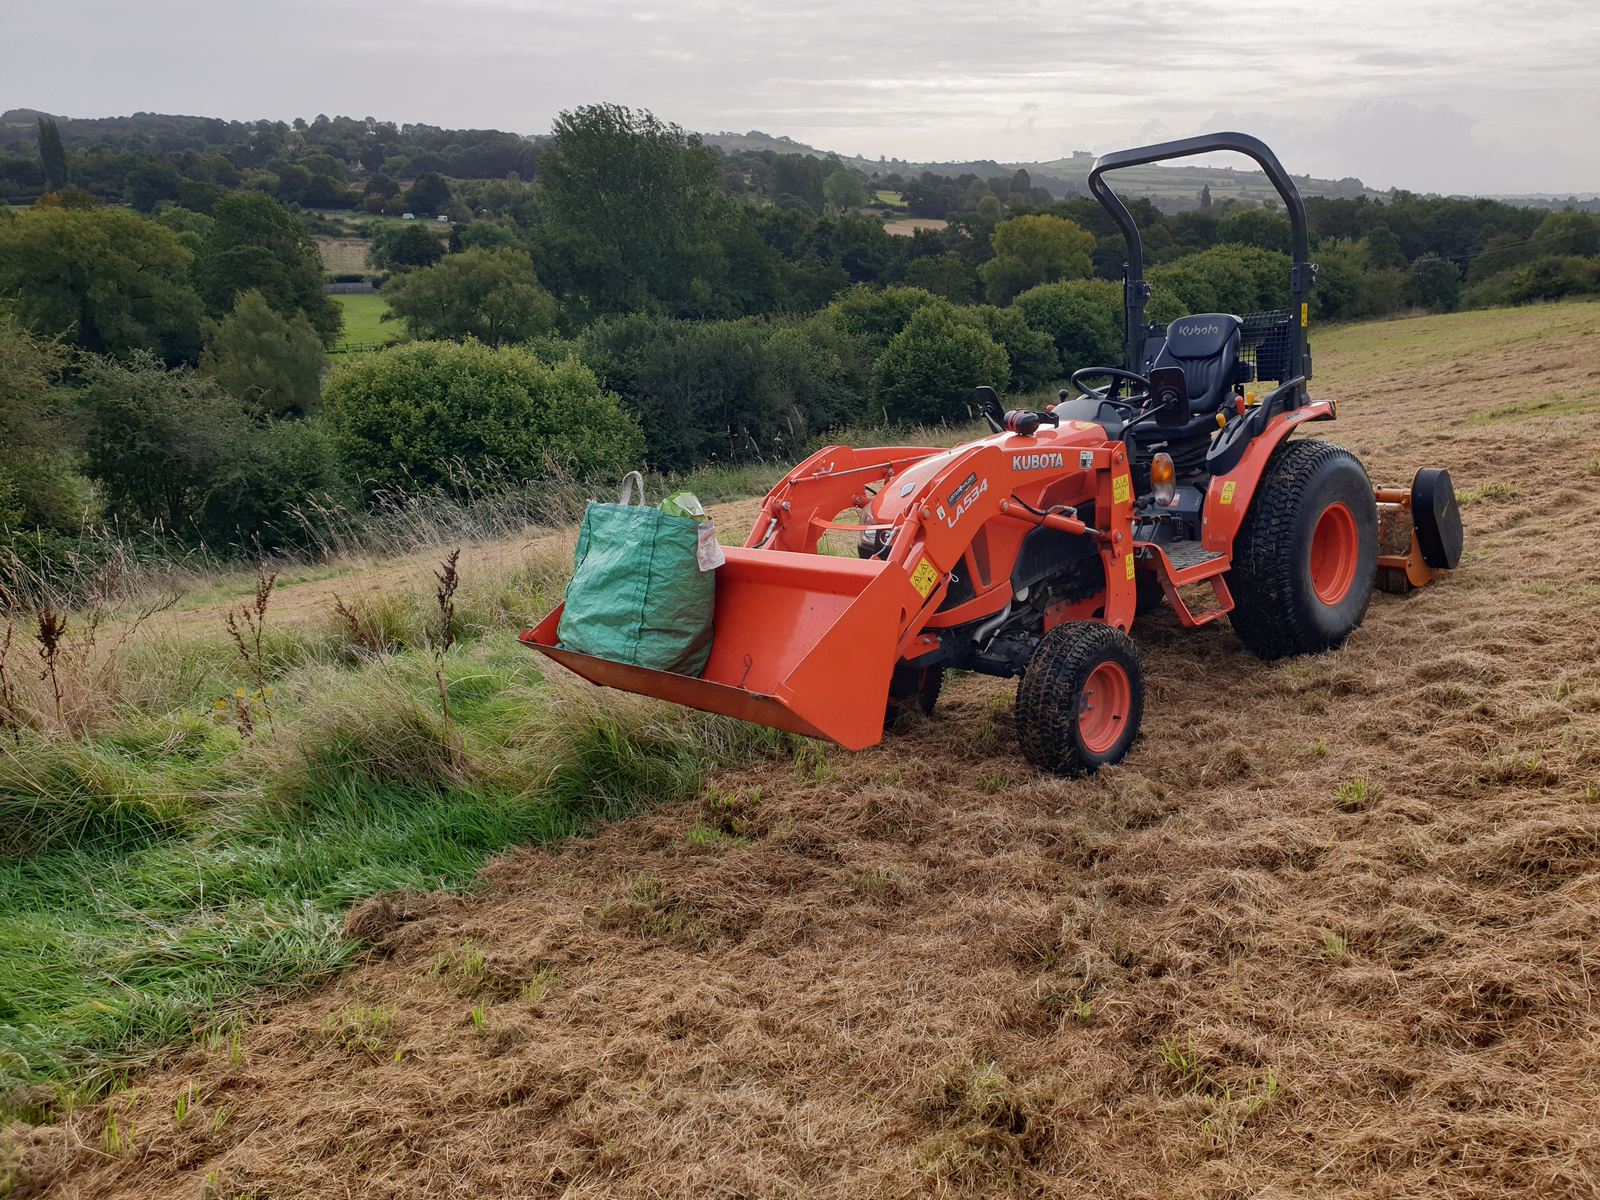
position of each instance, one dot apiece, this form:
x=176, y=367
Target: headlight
x=873, y=543
x=1162, y=479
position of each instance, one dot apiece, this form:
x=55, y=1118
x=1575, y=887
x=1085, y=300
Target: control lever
x=989, y=406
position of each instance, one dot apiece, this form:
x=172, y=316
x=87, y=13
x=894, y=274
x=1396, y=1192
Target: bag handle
x=631, y=482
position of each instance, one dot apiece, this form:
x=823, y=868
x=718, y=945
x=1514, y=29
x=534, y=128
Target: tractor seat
x=1206, y=346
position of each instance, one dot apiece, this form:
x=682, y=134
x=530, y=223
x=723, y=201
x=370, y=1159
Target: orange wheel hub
x=1105, y=702
x=1335, y=549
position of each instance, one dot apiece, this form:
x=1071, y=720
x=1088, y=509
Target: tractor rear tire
x=1081, y=699
x=1305, y=559
x=912, y=689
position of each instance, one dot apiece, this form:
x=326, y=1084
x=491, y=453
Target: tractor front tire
x=1305, y=559
x=1081, y=699
x=912, y=689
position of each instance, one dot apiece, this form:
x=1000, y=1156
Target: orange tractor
x=1029, y=552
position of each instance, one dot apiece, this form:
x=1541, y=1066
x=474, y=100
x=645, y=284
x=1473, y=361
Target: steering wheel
x=1109, y=393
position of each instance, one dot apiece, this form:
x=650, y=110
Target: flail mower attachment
x=1029, y=552
x=1419, y=531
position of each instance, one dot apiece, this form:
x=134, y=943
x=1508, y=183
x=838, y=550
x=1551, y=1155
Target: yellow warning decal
x=1305, y=315
x=1227, y=492
x=1121, y=489
x=1129, y=562
x=925, y=578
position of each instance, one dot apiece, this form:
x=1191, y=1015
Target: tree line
x=639, y=298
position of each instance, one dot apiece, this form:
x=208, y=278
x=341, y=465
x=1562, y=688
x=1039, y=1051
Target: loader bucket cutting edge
x=801, y=642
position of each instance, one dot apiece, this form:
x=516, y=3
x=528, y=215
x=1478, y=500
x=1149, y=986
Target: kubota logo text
x=1035, y=462
x=1196, y=330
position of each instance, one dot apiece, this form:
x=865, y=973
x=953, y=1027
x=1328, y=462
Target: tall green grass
x=158, y=876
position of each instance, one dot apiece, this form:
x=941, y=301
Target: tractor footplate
x=1182, y=564
x=1185, y=555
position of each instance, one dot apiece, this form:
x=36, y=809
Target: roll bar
x=1136, y=292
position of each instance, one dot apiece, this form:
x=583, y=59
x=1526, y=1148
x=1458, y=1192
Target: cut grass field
x=1330, y=930
x=344, y=256
x=364, y=326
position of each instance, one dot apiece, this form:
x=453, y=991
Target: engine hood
x=906, y=487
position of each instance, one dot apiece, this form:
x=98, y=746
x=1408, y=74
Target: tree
x=799, y=177
x=270, y=363
x=1433, y=283
x=52, y=155
x=630, y=204
x=1035, y=249
x=845, y=190
x=1255, y=227
x=398, y=248
x=1227, y=278
x=720, y=391
x=35, y=489
x=1568, y=233
x=491, y=295
x=944, y=275
x=429, y=194
x=402, y=416
x=103, y=279
x=1384, y=249
x=151, y=182
x=255, y=244
x=930, y=368
x=1205, y=196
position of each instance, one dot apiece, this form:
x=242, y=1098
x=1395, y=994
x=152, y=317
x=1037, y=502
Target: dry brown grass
x=344, y=256
x=1219, y=970
x=908, y=226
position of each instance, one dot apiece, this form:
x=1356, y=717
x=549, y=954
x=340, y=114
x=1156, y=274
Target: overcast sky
x=1433, y=95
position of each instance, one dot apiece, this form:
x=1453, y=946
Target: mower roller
x=1030, y=552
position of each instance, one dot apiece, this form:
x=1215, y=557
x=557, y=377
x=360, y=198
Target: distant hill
x=1068, y=176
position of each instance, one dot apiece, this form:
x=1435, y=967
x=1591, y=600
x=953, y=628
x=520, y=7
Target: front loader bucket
x=802, y=642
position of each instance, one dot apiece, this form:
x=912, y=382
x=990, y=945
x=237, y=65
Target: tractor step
x=1181, y=564
x=1186, y=555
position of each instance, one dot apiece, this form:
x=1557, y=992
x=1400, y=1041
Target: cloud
x=1430, y=94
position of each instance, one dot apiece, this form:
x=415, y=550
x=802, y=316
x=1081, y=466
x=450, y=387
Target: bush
x=159, y=442
x=727, y=390
x=930, y=368
x=1030, y=353
x=1542, y=279
x=1083, y=318
x=170, y=449
x=286, y=463
x=877, y=315
x=401, y=416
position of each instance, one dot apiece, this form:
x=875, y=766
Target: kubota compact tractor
x=1029, y=552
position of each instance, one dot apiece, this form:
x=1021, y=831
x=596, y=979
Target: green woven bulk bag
x=638, y=594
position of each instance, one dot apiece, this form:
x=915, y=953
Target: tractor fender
x=1228, y=496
